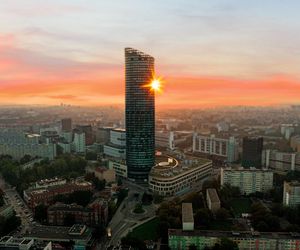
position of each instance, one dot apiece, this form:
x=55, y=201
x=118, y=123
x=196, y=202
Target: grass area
x=138, y=210
x=240, y=205
x=146, y=231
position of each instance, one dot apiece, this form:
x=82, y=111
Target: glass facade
x=140, y=115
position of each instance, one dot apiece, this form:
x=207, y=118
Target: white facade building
x=119, y=167
x=18, y=144
x=248, y=180
x=281, y=161
x=287, y=130
x=291, y=193
x=211, y=145
x=79, y=145
x=172, y=176
x=116, y=147
x=212, y=200
x=164, y=139
x=187, y=217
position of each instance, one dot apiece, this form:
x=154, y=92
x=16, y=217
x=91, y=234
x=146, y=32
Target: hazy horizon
x=209, y=53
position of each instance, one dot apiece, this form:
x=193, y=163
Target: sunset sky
x=209, y=52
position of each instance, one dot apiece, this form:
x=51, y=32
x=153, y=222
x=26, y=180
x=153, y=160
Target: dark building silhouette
x=252, y=152
x=66, y=125
x=140, y=115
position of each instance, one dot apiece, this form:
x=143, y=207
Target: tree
x=69, y=220
x=213, y=183
x=162, y=230
x=157, y=198
x=91, y=156
x=193, y=247
x=25, y=159
x=1, y=198
x=222, y=214
x=133, y=242
x=227, y=244
x=202, y=218
x=120, y=182
x=196, y=199
x=121, y=195
x=10, y=224
x=40, y=213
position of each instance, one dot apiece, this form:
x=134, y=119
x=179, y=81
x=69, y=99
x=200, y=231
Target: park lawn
x=146, y=231
x=240, y=205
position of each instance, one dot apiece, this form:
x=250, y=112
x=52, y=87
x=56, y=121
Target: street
x=13, y=198
x=124, y=218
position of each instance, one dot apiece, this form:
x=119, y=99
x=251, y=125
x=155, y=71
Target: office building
x=295, y=143
x=248, y=180
x=281, y=162
x=246, y=240
x=164, y=139
x=79, y=142
x=187, y=217
x=170, y=140
x=77, y=236
x=103, y=134
x=291, y=193
x=210, y=145
x=95, y=213
x=222, y=127
x=287, y=130
x=17, y=144
x=116, y=147
x=252, y=152
x=67, y=136
x=212, y=200
x=66, y=125
x=119, y=166
x=88, y=131
x=65, y=147
x=173, y=176
x=103, y=173
x=14, y=243
x=49, y=182
x=45, y=195
x=140, y=115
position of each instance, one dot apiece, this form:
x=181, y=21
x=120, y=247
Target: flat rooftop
x=235, y=234
x=58, y=233
x=167, y=166
x=187, y=213
x=118, y=129
x=294, y=183
x=251, y=169
x=213, y=195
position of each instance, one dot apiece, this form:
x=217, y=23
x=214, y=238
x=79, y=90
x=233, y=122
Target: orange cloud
x=27, y=77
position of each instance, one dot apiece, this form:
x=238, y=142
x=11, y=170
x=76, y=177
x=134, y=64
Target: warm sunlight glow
x=155, y=85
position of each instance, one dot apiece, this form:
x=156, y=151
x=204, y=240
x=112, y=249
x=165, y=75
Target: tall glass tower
x=140, y=115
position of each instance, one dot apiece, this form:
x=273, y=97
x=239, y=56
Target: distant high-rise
x=252, y=152
x=88, y=130
x=66, y=125
x=140, y=115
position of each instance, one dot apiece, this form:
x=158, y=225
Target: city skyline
x=210, y=53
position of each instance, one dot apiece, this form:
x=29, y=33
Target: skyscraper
x=140, y=114
x=252, y=152
x=66, y=125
